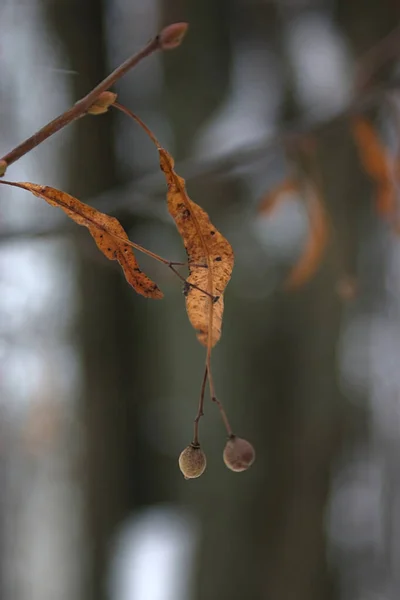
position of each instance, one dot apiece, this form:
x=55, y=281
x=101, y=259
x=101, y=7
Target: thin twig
x=200, y=411
x=81, y=107
x=186, y=264
x=139, y=121
x=211, y=385
x=223, y=416
x=210, y=377
x=192, y=285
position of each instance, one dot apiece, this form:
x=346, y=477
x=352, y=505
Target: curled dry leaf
x=210, y=255
x=106, y=231
x=376, y=162
x=317, y=240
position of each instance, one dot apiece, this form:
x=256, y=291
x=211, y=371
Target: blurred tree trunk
x=104, y=333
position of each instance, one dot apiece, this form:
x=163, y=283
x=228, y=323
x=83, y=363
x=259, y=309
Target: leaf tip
x=3, y=167
x=157, y=294
x=172, y=36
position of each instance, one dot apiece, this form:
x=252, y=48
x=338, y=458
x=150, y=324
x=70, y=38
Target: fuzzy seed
x=192, y=462
x=239, y=454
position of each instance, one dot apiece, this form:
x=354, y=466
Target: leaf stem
x=223, y=416
x=186, y=282
x=139, y=121
x=200, y=411
x=214, y=398
x=82, y=106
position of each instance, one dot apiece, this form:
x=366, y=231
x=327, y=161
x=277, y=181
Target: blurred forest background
x=99, y=387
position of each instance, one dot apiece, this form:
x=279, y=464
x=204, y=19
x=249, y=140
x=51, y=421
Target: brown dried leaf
x=376, y=161
x=317, y=240
x=205, y=245
x=210, y=256
x=106, y=231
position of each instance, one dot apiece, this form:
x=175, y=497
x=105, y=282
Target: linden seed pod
x=239, y=454
x=192, y=461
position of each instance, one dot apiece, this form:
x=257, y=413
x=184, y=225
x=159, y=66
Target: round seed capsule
x=239, y=454
x=192, y=462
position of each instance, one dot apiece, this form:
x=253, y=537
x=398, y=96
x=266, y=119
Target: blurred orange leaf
x=277, y=195
x=318, y=233
x=106, y=231
x=317, y=240
x=376, y=161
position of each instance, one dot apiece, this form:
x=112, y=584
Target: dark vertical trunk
x=103, y=332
